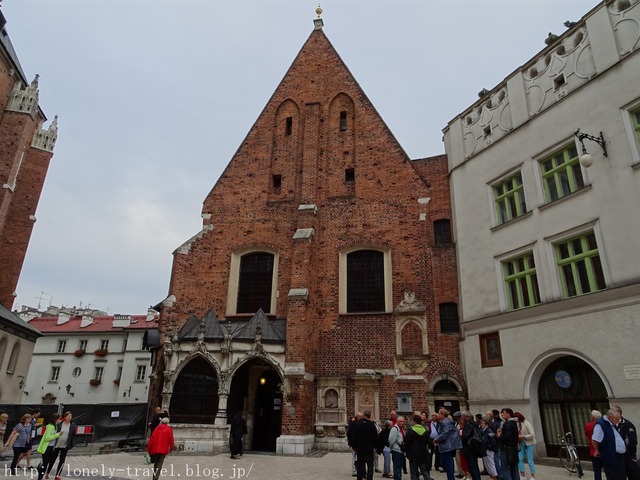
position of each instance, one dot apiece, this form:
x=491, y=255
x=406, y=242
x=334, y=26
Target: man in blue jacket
x=448, y=441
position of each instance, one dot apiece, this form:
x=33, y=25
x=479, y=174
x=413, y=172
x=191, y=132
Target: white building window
x=62, y=346
x=631, y=119
x=83, y=345
x=98, y=373
x=141, y=373
x=55, y=374
x=104, y=344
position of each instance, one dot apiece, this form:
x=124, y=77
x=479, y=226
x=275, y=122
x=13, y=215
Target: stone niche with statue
x=331, y=414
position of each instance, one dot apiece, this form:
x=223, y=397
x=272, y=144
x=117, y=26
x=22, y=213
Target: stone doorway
x=568, y=390
x=256, y=391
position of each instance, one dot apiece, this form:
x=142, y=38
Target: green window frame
x=509, y=198
x=579, y=265
x=635, y=120
x=561, y=174
x=521, y=282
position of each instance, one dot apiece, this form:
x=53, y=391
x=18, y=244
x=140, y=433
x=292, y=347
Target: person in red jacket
x=159, y=446
x=596, y=461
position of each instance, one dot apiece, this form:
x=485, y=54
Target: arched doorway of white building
x=569, y=388
x=256, y=391
x=446, y=392
x=195, y=393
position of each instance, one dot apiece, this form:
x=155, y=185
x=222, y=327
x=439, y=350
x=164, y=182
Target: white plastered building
x=91, y=359
x=548, y=257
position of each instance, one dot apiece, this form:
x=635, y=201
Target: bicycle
x=569, y=455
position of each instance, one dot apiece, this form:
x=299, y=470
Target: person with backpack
x=382, y=448
x=472, y=444
x=396, y=445
x=491, y=444
x=416, y=448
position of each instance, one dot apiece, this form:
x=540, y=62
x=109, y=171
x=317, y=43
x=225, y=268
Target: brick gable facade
x=320, y=175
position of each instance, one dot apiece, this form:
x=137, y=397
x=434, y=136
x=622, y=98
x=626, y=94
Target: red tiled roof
x=100, y=324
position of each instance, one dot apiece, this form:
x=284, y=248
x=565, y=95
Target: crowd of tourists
x=466, y=446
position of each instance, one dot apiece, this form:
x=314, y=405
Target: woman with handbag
x=19, y=439
x=65, y=442
x=47, y=444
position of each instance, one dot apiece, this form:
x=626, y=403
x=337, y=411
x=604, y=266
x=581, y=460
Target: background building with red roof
x=87, y=358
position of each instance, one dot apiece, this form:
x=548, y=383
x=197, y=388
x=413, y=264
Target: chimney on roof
x=86, y=321
x=151, y=314
x=63, y=317
x=120, y=321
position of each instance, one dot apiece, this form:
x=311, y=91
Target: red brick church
x=323, y=281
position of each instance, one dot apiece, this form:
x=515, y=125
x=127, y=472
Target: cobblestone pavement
x=317, y=466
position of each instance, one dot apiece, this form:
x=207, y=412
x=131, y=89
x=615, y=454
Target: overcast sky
x=154, y=97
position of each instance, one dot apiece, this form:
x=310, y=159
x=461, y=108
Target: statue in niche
x=331, y=399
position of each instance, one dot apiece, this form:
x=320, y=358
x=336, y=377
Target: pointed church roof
x=212, y=327
x=312, y=78
x=260, y=322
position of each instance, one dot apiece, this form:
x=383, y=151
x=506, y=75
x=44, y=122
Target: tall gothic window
x=365, y=281
x=255, y=282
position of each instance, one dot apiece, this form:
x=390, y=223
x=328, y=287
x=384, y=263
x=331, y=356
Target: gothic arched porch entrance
x=256, y=389
x=195, y=394
x=568, y=390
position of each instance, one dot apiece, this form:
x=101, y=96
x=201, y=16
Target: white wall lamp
x=586, y=160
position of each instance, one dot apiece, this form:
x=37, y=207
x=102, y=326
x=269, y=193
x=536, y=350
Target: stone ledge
x=308, y=208
x=298, y=294
x=303, y=234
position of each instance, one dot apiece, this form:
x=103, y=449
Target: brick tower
x=316, y=287
x=25, y=151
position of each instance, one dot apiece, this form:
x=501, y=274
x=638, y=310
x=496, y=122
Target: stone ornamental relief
x=563, y=67
x=331, y=399
x=625, y=19
x=367, y=399
x=331, y=413
x=412, y=352
x=487, y=123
